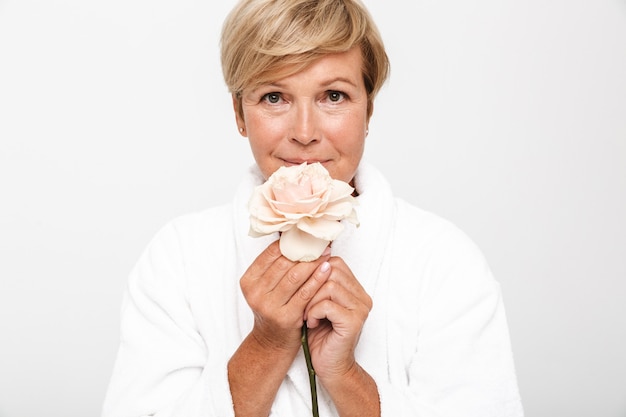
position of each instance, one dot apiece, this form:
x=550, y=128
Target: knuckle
x=305, y=293
x=283, y=263
x=273, y=250
x=337, y=262
x=293, y=277
x=331, y=286
x=369, y=303
x=247, y=288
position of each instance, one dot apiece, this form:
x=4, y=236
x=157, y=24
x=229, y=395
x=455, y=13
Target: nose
x=305, y=124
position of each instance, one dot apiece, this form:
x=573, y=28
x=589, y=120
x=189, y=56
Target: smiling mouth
x=292, y=162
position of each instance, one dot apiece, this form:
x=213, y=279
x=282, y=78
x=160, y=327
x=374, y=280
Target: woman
x=404, y=317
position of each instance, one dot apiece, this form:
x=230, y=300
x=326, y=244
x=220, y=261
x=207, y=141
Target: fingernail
x=325, y=267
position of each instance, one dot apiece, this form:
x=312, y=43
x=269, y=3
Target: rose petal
x=321, y=228
x=258, y=229
x=265, y=213
x=305, y=196
x=340, y=189
x=288, y=191
x=271, y=221
x=319, y=177
x=298, y=246
x=352, y=218
x=339, y=210
x=301, y=206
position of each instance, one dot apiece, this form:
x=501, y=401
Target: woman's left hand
x=335, y=317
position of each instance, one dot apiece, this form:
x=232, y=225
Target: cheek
x=263, y=137
x=264, y=127
x=349, y=132
x=348, y=140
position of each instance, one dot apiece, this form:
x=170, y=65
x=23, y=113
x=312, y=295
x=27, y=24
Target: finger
x=343, y=320
x=281, y=269
x=335, y=293
x=342, y=274
x=264, y=261
x=289, y=312
x=287, y=276
x=300, y=283
x=309, y=289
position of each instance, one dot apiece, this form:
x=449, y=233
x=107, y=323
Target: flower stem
x=309, y=365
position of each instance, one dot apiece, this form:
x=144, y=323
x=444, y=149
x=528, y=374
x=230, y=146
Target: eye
x=335, y=96
x=272, y=98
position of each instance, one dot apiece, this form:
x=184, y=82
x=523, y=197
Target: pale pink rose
x=306, y=205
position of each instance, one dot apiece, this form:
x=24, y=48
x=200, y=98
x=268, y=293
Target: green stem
x=309, y=365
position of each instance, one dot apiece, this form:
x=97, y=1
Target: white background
x=507, y=117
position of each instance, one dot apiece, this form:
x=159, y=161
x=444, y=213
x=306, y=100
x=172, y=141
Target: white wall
x=507, y=117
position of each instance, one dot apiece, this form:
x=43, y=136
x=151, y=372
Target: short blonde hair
x=264, y=38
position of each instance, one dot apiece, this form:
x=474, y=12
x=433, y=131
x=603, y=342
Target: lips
x=297, y=161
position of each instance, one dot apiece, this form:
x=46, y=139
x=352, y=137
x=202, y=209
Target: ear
x=241, y=123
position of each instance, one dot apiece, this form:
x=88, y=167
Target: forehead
x=346, y=66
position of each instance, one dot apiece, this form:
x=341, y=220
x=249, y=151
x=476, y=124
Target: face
x=316, y=115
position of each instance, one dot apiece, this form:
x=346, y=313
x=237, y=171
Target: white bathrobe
x=436, y=341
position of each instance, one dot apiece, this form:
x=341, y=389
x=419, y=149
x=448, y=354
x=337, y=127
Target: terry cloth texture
x=436, y=341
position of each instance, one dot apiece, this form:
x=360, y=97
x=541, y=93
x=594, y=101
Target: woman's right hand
x=278, y=291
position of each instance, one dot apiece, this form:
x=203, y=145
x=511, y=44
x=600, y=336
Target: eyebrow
x=324, y=84
x=341, y=80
